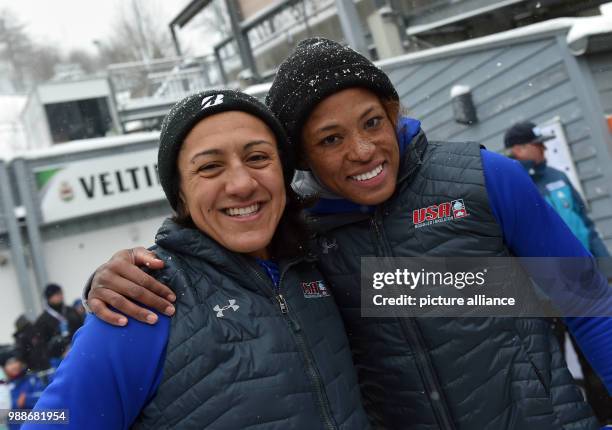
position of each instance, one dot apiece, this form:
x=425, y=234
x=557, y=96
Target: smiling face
x=232, y=181
x=350, y=145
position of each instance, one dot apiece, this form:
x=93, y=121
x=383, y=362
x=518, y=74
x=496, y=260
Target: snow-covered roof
x=12, y=139
x=543, y=27
x=578, y=36
x=86, y=145
x=578, y=28
x=10, y=107
x=459, y=90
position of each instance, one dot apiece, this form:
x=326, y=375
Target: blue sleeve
x=29, y=386
x=108, y=376
x=531, y=228
x=34, y=392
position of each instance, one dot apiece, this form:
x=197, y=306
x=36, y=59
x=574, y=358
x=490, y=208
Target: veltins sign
x=100, y=184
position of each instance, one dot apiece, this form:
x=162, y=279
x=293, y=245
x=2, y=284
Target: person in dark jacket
x=29, y=346
x=525, y=143
x=257, y=341
x=57, y=324
x=373, y=170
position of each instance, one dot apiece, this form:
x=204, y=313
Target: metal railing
x=138, y=83
x=270, y=23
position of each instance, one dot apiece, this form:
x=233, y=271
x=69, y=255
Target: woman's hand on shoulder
x=120, y=281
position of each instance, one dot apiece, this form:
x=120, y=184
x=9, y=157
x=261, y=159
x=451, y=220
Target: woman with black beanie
x=381, y=186
x=256, y=341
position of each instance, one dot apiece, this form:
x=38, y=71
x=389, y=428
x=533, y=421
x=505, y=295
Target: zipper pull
x=282, y=303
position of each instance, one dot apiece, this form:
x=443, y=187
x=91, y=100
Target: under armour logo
x=219, y=309
x=213, y=100
x=326, y=245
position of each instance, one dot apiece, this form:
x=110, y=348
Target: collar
x=532, y=168
x=412, y=159
x=55, y=314
x=193, y=243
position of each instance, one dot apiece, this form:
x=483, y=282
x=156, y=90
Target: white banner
x=87, y=187
x=558, y=154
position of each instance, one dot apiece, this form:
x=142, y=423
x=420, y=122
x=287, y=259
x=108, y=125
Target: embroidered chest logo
x=232, y=305
x=443, y=212
x=213, y=100
x=315, y=289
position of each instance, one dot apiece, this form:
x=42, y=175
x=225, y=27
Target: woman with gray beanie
x=257, y=340
x=384, y=190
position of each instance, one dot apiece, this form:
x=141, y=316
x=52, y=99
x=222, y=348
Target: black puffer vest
x=242, y=355
x=444, y=373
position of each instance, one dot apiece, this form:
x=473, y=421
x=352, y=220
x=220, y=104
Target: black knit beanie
x=185, y=114
x=51, y=290
x=315, y=70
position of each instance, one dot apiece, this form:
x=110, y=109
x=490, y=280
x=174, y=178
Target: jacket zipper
x=311, y=369
x=413, y=337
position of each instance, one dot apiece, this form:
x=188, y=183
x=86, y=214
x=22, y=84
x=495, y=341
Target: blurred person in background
x=57, y=324
x=78, y=306
x=5, y=389
x=525, y=143
x=5, y=398
x=25, y=387
x=29, y=346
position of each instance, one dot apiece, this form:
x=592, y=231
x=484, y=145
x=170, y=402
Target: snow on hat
x=524, y=132
x=315, y=70
x=184, y=116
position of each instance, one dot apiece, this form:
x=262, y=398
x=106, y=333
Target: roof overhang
x=592, y=34
x=423, y=28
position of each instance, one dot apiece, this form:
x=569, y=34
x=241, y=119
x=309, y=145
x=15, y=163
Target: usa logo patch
x=436, y=214
x=315, y=289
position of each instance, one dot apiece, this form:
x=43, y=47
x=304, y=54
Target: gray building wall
x=532, y=78
x=600, y=65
